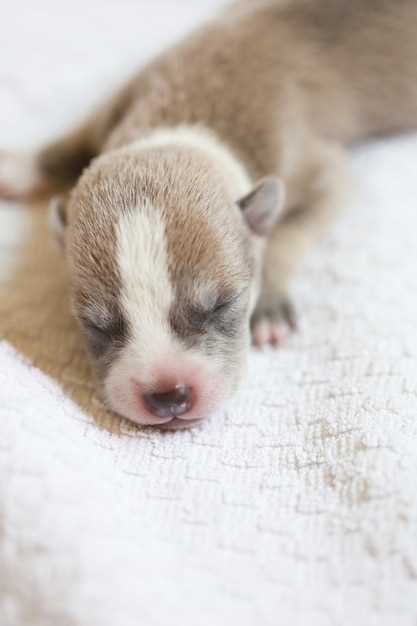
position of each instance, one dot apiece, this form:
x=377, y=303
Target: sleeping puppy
x=189, y=200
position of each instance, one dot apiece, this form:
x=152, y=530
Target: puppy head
x=164, y=266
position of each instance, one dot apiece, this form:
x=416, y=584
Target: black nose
x=171, y=403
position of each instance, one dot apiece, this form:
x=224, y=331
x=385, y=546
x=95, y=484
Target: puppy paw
x=20, y=177
x=273, y=321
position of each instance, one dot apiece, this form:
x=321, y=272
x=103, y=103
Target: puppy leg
x=316, y=195
x=63, y=161
x=23, y=175
x=20, y=176
x=60, y=163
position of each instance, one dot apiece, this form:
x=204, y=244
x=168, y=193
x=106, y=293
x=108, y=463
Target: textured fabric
x=297, y=503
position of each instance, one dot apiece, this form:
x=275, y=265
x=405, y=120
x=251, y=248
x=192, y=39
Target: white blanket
x=295, y=505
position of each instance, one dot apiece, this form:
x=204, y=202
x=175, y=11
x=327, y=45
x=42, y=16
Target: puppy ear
x=58, y=219
x=263, y=207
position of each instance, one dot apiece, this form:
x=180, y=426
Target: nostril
x=172, y=403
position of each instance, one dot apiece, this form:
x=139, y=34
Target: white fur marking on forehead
x=142, y=253
x=204, y=140
x=146, y=293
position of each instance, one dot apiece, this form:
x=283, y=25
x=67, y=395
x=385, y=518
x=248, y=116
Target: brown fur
x=280, y=83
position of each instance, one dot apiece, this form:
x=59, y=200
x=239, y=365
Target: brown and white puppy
x=165, y=272
x=177, y=233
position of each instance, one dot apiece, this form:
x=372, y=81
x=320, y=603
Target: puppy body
x=165, y=240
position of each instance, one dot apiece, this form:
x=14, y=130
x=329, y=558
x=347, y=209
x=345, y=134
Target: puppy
x=190, y=198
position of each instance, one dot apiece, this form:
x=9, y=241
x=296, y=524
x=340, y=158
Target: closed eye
x=192, y=320
x=100, y=337
x=227, y=314
x=96, y=331
x=225, y=302
x=198, y=317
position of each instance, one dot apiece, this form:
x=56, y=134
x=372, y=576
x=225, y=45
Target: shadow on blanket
x=35, y=317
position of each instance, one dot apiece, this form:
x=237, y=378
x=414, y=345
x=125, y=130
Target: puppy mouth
x=178, y=424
